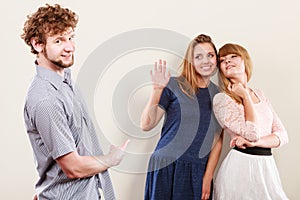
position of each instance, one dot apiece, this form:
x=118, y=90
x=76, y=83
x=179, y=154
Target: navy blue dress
x=177, y=165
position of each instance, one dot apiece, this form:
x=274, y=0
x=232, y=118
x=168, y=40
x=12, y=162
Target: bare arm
x=211, y=166
x=76, y=166
x=269, y=141
x=152, y=113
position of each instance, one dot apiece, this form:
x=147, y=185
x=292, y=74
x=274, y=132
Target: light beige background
x=268, y=29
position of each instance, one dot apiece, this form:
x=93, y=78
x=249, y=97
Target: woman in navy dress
x=183, y=163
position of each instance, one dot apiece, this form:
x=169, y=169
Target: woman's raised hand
x=159, y=76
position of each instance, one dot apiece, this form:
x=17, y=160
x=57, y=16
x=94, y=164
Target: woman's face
x=232, y=66
x=204, y=59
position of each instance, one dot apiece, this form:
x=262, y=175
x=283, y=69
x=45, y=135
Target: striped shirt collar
x=53, y=78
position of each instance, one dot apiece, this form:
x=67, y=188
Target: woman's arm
x=277, y=127
x=211, y=166
x=152, y=113
x=231, y=117
x=242, y=92
x=269, y=141
x=276, y=138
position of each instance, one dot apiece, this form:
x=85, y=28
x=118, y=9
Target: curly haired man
x=69, y=159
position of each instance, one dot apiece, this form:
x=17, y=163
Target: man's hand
x=116, y=154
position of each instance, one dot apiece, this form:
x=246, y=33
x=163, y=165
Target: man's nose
x=70, y=46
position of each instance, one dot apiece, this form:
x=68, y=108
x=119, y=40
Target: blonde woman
x=180, y=167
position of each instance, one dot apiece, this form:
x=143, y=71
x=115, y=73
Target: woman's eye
x=211, y=55
x=199, y=57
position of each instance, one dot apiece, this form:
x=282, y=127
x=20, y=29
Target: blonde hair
x=243, y=53
x=188, y=78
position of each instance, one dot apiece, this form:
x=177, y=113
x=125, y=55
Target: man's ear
x=38, y=46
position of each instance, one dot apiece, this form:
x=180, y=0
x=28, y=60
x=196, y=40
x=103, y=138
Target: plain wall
x=268, y=29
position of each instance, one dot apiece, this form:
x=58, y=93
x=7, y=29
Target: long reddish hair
x=243, y=53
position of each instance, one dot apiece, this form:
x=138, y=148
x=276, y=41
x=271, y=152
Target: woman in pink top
x=249, y=170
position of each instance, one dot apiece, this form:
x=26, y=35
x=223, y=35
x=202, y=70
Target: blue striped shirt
x=58, y=123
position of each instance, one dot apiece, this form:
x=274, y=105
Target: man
x=70, y=162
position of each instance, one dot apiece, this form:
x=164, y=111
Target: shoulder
x=258, y=91
x=223, y=104
x=221, y=96
x=223, y=100
x=260, y=94
x=173, y=83
x=173, y=80
x=38, y=93
x=213, y=88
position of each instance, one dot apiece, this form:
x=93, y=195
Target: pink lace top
x=232, y=118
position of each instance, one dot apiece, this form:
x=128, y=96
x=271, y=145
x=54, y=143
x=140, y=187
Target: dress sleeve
x=167, y=95
x=277, y=127
x=165, y=99
x=231, y=116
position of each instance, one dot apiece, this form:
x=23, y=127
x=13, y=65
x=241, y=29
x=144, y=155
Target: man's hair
x=48, y=21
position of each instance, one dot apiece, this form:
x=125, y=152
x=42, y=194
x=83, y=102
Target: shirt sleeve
x=277, y=127
x=52, y=125
x=231, y=116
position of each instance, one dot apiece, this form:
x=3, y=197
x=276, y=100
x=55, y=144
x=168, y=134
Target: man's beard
x=59, y=63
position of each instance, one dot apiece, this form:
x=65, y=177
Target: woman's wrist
x=208, y=176
x=157, y=90
x=246, y=96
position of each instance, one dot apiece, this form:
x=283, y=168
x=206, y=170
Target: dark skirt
x=179, y=180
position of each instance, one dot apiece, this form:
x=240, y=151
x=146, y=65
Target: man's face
x=59, y=49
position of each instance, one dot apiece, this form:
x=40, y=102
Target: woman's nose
x=227, y=60
x=205, y=59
